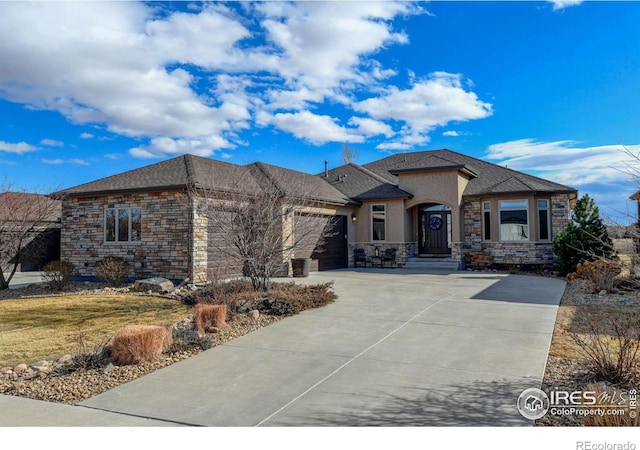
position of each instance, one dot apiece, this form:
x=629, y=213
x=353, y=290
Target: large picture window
x=378, y=222
x=514, y=220
x=123, y=225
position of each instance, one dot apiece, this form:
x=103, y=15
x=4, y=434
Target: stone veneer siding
x=405, y=250
x=164, y=248
x=513, y=252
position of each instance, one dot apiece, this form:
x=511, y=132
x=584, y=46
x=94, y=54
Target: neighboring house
x=41, y=244
x=432, y=203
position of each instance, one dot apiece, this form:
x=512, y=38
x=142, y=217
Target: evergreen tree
x=585, y=238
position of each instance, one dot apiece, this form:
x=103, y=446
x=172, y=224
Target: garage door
x=333, y=253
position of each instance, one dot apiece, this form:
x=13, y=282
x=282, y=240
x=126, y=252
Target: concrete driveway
x=396, y=349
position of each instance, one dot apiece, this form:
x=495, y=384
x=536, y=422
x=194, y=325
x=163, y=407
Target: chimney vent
x=326, y=169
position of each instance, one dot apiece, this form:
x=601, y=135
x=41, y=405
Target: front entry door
x=434, y=227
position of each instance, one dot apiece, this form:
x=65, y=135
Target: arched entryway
x=434, y=229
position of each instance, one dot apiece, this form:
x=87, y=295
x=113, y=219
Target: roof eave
x=459, y=167
x=104, y=192
x=522, y=192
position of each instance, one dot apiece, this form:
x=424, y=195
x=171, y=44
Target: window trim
x=527, y=208
x=547, y=208
x=384, y=205
x=116, y=232
x=486, y=229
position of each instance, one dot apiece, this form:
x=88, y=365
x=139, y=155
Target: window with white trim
x=378, y=222
x=123, y=225
x=514, y=220
x=544, y=224
x=486, y=221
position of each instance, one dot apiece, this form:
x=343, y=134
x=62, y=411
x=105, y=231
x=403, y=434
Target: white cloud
x=324, y=43
x=162, y=146
x=564, y=161
x=562, y=4
x=600, y=171
x=451, y=133
x=51, y=143
x=18, y=148
x=316, y=129
x=370, y=127
x=194, y=81
x=436, y=101
x=58, y=161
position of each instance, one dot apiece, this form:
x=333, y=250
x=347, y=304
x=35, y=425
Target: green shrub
x=57, y=274
x=585, y=238
x=112, y=269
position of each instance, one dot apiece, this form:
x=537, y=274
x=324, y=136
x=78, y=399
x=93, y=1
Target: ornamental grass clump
x=206, y=316
x=137, y=344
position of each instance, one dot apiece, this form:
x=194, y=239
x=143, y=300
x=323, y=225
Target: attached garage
x=332, y=254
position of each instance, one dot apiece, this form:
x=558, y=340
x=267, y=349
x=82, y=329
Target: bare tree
x=23, y=216
x=349, y=154
x=257, y=222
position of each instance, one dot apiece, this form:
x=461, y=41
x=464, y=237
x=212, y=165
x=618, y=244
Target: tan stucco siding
x=395, y=217
x=445, y=187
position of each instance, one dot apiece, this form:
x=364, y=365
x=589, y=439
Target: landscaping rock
x=254, y=313
x=153, y=284
x=65, y=359
x=21, y=368
x=41, y=366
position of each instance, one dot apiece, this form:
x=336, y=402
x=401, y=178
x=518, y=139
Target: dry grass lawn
x=33, y=329
x=568, y=320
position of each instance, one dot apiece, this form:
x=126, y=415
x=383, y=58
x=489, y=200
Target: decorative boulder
x=153, y=284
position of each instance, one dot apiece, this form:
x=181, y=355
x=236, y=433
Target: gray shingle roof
x=196, y=171
x=347, y=184
x=360, y=183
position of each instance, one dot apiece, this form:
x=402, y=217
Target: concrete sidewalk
x=396, y=349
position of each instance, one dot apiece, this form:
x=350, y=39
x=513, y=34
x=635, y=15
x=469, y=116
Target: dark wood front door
x=433, y=237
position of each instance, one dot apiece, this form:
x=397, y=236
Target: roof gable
x=490, y=179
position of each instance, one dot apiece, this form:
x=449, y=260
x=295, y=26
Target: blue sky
x=91, y=89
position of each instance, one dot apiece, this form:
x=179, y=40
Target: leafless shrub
x=610, y=342
x=57, y=274
x=259, y=218
x=112, y=269
x=599, y=275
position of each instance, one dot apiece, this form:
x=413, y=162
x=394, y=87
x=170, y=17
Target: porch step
x=416, y=263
